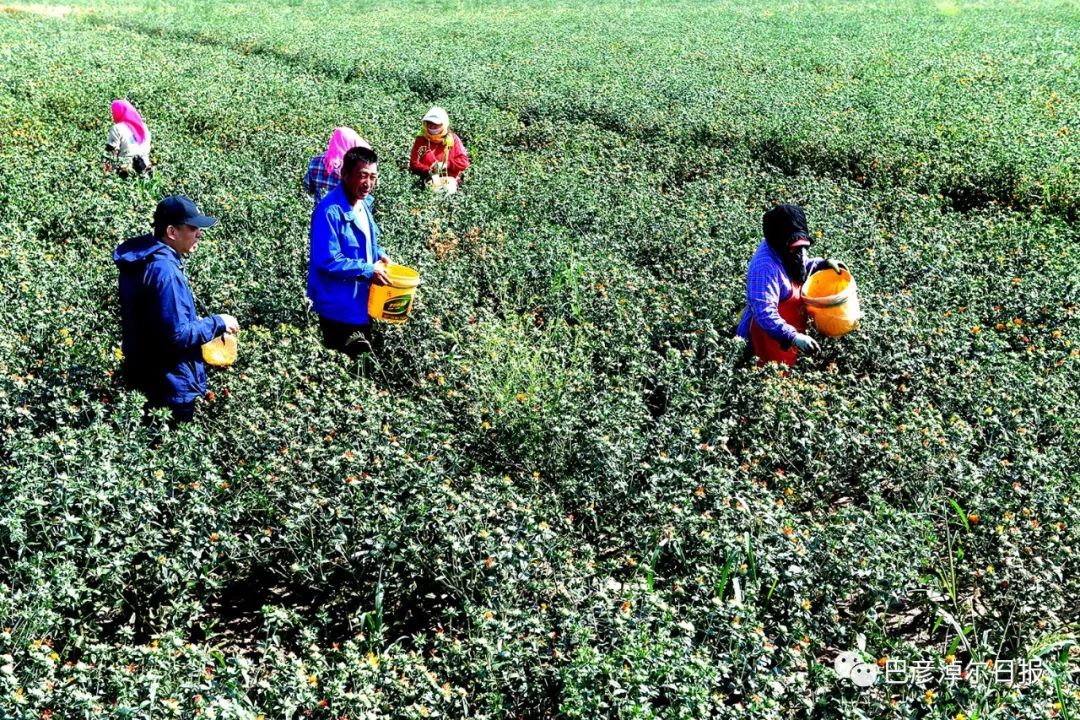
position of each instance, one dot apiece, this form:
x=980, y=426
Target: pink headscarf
x=343, y=140
x=124, y=112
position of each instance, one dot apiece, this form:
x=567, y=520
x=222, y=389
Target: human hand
x=380, y=276
x=438, y=168
x=806, y=343
x=107, y=168
x=428, y=158
x=231, y=325
x=384, y=259
x=834, y=265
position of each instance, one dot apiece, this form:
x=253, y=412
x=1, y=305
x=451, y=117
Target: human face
x=434, y=129
x=183, y=238
x=359, y=183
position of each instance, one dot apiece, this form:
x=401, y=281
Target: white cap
x=437, y=115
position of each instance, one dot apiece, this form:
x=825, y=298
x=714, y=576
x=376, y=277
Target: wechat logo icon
x=849, y=666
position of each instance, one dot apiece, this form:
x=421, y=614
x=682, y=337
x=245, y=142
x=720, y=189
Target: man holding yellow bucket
x=162, y=332
x=346, y=258
x=774, y=322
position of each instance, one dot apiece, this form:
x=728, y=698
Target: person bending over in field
x=162, y=334
x=127, y=149
x=438, y=153
x=324, y=171
x=346, y=257
x=774, y=322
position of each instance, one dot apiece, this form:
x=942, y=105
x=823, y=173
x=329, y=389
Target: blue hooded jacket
x=162, y=334
x=342, y=259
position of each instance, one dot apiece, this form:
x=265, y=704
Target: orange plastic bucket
x=221, y=351
x=832, y=300
x=392, y=303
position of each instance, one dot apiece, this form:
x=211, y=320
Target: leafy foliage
x=559, y=492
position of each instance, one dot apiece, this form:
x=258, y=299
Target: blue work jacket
x=342, y=259
x=162, y=333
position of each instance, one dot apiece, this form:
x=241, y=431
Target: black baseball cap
x=179, y=210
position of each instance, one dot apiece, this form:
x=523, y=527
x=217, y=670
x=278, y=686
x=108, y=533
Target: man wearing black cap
x=162, y=334
x=774, y=322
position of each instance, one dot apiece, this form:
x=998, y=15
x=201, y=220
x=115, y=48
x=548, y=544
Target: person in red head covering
x=324, y=171
x=127, y=149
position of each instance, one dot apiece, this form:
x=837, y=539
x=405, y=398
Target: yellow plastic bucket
x=221, y=351
x=832, y=300
x=392, y=303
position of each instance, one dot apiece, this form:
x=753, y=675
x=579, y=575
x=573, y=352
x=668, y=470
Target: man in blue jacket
x=162, y=334
x=344, y=252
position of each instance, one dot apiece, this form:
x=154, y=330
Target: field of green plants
x=561, y=492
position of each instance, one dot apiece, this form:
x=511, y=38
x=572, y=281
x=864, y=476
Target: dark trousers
x=346, y=337
x=181, y=412
x=138, y=167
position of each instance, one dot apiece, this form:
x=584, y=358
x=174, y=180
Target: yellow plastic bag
x=221, y=351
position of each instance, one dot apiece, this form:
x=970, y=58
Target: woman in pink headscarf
x=127, y=149
x=324, y=171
